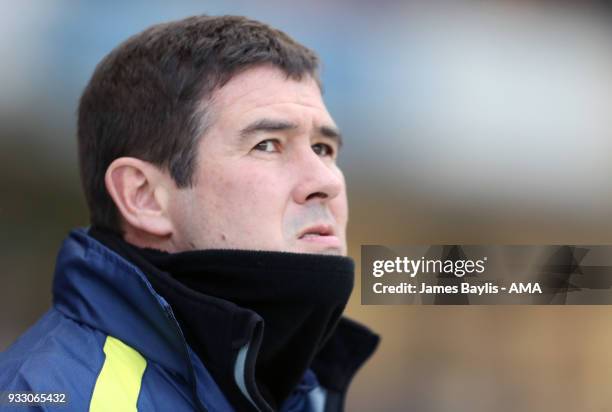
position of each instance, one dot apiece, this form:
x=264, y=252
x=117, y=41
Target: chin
x=335, y=252
x=314, y=250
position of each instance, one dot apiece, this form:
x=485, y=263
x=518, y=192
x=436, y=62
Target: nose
x=317, y=178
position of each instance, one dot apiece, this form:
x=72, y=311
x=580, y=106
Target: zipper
x=240, y=373
x=194, y=387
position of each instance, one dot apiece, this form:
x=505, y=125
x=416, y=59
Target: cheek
x=245, y=201
x=339, y=205
x=250, y=190
x=339, y=209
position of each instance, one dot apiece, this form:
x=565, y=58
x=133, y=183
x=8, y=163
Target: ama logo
x=520, y=287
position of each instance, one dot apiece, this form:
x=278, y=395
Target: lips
x=318, y=238
x=316, y=231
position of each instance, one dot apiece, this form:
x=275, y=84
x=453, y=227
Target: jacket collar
x=98, y=287
x=95, y=286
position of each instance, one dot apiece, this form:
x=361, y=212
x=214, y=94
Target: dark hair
x=147, y=98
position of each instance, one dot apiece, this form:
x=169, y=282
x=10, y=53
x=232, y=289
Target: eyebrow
x=270, y=125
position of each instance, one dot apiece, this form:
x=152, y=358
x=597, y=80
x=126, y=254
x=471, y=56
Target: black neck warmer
x=223, y=299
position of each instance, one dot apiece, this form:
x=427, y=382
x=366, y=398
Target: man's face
x=267, y=177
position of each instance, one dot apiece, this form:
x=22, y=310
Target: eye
x=268, y=146
x=323, y=149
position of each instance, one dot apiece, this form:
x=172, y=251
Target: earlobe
x=138, y=190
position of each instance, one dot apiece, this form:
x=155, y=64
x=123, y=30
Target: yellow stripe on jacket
x=118, y=384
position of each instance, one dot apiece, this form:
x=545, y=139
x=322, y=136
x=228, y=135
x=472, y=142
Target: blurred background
x=465, y=122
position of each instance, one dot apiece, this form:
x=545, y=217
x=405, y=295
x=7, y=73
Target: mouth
x=322, y=235
x=316, y=231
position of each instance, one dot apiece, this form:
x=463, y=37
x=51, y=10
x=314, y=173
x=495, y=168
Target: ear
x=140, y=192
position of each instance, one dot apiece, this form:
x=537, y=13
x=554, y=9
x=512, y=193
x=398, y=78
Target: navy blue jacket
x=110, y=342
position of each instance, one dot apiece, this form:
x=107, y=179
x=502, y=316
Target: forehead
x=267, y=90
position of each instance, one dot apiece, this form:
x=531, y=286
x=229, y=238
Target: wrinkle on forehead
x=267, y=85
x=265, y=92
